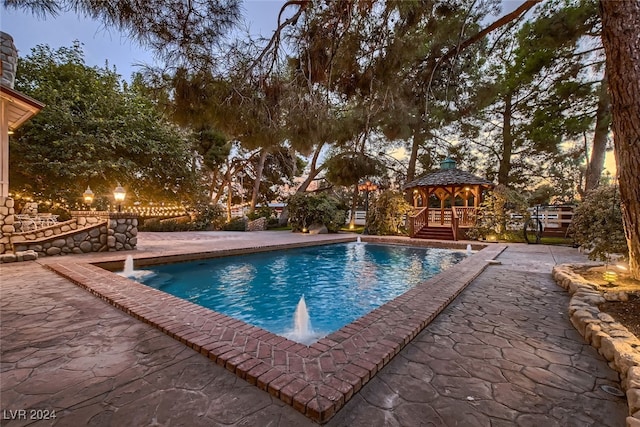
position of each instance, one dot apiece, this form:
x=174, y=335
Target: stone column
x=9, y=57
x=122, y=231
x=7, y=216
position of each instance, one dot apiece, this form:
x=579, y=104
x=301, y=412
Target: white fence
x=360, y=217
x=550, y=217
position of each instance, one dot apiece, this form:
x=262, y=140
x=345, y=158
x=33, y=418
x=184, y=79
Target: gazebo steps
x=435, y=233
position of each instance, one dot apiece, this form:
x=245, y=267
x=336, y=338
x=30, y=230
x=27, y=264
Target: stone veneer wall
x=259, y=224
x=87, y=239
x=87, y=231
x=612, y=340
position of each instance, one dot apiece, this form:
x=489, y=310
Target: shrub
x=261, y=212
x=208, y=217
x=237, y=224
x=386, y=216
x=155, y=224
x=273, y=223
x=597, y=224
x=306, y=209
x=496, y=214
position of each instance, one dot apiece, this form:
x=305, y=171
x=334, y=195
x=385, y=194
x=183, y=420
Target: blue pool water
x=340, y=282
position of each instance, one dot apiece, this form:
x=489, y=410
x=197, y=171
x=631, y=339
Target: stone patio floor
x=503, y=353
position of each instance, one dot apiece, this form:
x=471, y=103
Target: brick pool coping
x=316, y=380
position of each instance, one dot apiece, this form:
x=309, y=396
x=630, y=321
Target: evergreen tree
x=537, y=93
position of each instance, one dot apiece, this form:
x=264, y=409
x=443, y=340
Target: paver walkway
x=503, y=353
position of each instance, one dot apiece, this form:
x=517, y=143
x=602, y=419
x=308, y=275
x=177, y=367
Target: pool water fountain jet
x=302, y=330
x=359, y=240
x=130, y=272
x=468, y=249
x=301, y=325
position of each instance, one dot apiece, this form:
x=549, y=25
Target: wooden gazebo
x=445, y=202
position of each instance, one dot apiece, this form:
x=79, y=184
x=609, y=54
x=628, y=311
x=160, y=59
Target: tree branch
x=524, y=7
x=275, y=38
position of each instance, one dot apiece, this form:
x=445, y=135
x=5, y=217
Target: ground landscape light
x=610, y=276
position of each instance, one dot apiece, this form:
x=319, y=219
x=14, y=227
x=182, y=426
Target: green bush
x=155, y=224
x=206, y=217
x=261, y=212
x=273, y=223
x=386, y=216
x=306, y=209
x=237, y=224
x=496, y=214
x=597, y=223
x=209, y=217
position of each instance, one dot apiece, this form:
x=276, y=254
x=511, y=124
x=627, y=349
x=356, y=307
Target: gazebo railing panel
x=440, y=217
x=416, y=221
x=466, y=216
x=463, y=217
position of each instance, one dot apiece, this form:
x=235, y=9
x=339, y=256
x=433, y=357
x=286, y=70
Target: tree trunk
x=256, y=183
x=418, y=141
x=598, y=151
x=212, y=185
x=314, y=170
x=621, y=40
x=507, y=144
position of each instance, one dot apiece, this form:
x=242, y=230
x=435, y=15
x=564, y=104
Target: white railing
x=359, y=216
x=549, y=217
x=34, y=222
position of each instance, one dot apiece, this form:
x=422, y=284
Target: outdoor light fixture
x=118, y=195
x=610, y=276
x=367, y=187
x=88, y=195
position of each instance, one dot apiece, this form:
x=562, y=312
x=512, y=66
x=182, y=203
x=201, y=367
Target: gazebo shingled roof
x=444, y=177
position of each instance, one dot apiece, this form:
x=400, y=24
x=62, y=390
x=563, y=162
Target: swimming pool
x=316, y=380
x=340, y=283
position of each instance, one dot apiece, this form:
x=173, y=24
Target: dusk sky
x=101, y=44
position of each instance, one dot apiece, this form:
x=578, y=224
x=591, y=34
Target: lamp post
x=367, y=187
x=87, y=196
x=118, y=194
